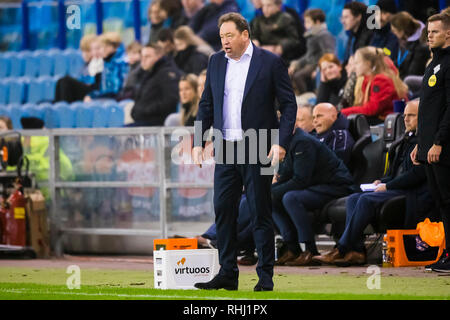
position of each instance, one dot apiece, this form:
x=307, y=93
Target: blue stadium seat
x=14, y=114
x=48, y=86
x=3, y=92
x=16, y=90
x=75, y=61
x=116, y=116
x=84, y=114
x=60, y=67
x=35, y=91
x=15, y=64
x=65, y=114
x=51, y=117
x=4, y=67
x=45, y=62
x=100, y=117
x=30, y=64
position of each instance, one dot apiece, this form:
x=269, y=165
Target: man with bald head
x=403, y=178
x=331, y=128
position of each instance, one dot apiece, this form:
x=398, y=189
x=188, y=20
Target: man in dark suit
x=242, y=84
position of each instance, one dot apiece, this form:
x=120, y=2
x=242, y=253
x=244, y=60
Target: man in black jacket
x=331, y=128
x=433, y=147
x=403, y=178
x=354, y=21
x=156, y=91
x=311, y=176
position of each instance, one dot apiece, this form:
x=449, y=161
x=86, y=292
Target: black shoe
x=442, y=260
x=218, y=282
x=259, y=287
x=444, y=268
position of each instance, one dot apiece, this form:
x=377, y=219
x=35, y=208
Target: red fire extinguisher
x=14, y=218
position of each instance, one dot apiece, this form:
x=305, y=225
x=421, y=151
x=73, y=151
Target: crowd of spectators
x=164, y=78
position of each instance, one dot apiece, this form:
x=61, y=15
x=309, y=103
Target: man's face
x=304, y=119
x=349, y=21
x=218, y=2
x=269, y=8
x=437, y=34
x=324, y=115
x=410, y=116
x=149, y=58
x=191, y=5
x=234, y=42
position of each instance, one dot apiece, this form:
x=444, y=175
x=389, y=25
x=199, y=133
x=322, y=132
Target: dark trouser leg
x=227, y=193
x=286, y=226
x=438, y=177
x=298, y=204
x=361, y=211
x=69, y=89
x=245, y=227
x=257, y=191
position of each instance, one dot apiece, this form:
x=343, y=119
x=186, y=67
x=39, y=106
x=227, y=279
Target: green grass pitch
x=50, y=284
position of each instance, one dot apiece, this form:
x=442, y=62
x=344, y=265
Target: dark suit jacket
x=267, y=83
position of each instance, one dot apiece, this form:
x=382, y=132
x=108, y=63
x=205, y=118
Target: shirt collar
x=248, y=52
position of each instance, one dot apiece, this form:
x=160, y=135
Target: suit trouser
x=438, y=177
x=361, y=211
x=292, y=216
x=228, y=182
x=245, y=233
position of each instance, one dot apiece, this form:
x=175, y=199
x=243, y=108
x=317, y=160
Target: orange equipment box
x=402, y=250
x=175, y=244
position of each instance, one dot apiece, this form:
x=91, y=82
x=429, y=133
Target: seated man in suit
x=311, y=176
x=331, y=128
x=403, y=178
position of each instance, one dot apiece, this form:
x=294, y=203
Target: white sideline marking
x=32, y=291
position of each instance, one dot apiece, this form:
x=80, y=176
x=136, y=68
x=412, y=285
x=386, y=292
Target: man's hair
x=158, y=49
x=166, y=34
x=315, y=15
x=134, y=47
x=357, y=8
x=443, y=17
x=240, y=22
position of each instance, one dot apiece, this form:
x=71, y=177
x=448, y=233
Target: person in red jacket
x=378, y=86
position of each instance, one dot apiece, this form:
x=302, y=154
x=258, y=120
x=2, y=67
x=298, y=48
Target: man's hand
x=197, y=156
x=381, y=187
x=376, y=182
x=277, y=153
x=434, y=154
x=275, y=178
x=413, y=156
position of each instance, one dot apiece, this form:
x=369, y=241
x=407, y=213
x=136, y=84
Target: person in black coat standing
x=433, y=147
x=156, y=91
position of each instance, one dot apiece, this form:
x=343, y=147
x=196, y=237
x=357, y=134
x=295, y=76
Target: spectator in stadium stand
x=354, y=21
x=175, y=14
x=156, y=93
x=331, y=128
x=300, y=50
x=191, y=7
x=188, y=57
x=156, y=17
x=275, y=30
x=115, y=68
x=402, y=178
x=166, y=42
x=318, y=42
x=70, y=89
x=383, y=37
x=311, y=176
x=204, y=22
x=432, y=148
x=333, y=78
x=189, y=99
x=134, y=60
x=379, y=87
x=304, y=119
x=413, y=53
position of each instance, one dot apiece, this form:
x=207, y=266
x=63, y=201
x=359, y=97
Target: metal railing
x=156, y=172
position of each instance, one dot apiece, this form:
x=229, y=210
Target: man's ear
x=246, y=34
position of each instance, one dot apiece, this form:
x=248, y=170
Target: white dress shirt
x=235, y=79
